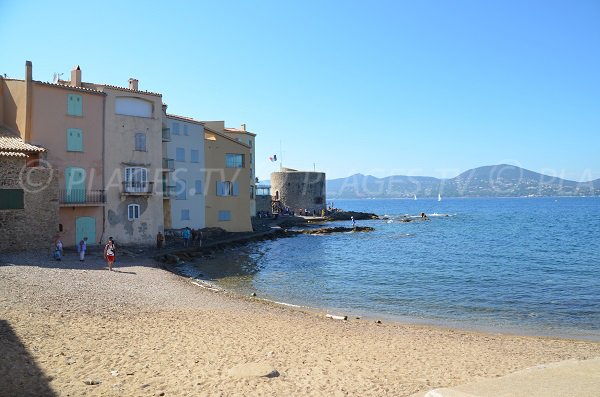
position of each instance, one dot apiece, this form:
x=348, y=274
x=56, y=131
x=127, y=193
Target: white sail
x=439, y=197
x=415, y=196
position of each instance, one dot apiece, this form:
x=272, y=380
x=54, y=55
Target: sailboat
x=415, y=196
x=439, y=197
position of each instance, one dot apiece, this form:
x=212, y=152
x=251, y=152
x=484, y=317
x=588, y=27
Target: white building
x=185, y=156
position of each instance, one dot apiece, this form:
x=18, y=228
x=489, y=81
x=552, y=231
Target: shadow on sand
x=19, y=374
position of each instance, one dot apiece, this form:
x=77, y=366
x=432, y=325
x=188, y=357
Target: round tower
x=298, y=190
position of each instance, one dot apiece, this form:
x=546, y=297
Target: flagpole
x=280, y=157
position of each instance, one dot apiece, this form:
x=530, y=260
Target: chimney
x=28, y=72
x=133, y=84
x=243, y=127
x=76, y=76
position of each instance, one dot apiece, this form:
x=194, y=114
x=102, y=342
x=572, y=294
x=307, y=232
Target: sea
x=528, y=266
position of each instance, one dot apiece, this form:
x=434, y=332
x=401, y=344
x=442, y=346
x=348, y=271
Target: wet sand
x=75, y=329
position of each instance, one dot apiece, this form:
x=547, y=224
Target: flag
x=273, y=157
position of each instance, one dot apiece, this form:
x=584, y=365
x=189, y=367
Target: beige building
x=66, y=119
x=247, y=137
x=228, y=181
x=133, y=163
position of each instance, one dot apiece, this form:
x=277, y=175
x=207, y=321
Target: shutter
x=236, y=191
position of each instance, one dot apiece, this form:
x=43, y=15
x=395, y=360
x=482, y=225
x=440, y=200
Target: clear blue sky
x=378, y=87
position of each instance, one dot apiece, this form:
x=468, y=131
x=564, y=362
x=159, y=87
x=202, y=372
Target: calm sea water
x=526, y=265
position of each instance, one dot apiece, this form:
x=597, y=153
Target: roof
x=222, y=135
x=239, y=131
x=70, y=87
x=114, y=87
x=191, y=120
x=11, y=142
x=13, y=154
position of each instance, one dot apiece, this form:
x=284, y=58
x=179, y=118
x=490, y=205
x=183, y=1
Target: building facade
x=185, y=157
x=227, y=182
x=247, y=137
x=133, y=173
x=67, y=120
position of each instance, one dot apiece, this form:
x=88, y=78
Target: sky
x=429, y=88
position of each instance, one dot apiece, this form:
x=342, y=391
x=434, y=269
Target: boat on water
x=415, y=196
x=439, y=197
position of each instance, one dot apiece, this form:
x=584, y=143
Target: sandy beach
x=73, y=328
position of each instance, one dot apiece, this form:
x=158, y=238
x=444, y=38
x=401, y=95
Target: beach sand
x=75, y=329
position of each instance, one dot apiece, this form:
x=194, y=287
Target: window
x=130, y=106
x=140, y=141
x=227, y=188
x=185, y=215
x=180, y=190
x=180, y=154
x=195, y=156
x=251, y=191
x=12, y=199
x=250, y=158
x=234, y=160
x=198, y=187
x=185, y=130
x=133, y=211
x=136, y=180
x=74, y=140
x=175, y=128
x=74, y=105
x=224, y=215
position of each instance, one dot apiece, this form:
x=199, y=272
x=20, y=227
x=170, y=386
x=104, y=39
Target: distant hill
x=490, y=181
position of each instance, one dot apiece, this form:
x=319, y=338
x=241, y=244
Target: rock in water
x=253, y=370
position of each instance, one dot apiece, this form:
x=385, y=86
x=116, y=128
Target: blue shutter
x=219, y=188
x=74, y=105
x=198, y=186
x=236, y=191
x=74, y=140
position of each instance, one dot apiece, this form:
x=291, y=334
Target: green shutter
x=74, y=105
x=11, y=199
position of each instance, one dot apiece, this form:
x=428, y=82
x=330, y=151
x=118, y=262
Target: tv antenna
x=56, y=77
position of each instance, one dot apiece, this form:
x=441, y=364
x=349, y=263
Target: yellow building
x=228, y=180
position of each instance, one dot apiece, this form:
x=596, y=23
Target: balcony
x=135, y=188
x=81, y=197
x=166, y=135
x=168, y=164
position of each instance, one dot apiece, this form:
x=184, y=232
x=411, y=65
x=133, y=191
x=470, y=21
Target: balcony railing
x=166, y=135
x=81, y=196
x=137, y=188
x=168, y=164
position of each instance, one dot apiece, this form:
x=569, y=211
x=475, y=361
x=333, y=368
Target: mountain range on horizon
x=501, y=180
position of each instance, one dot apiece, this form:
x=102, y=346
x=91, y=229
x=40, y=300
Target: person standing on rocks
x=81, y=248
x=353, y=222
x=186, y=236
x=109, y=253
x=159, y=240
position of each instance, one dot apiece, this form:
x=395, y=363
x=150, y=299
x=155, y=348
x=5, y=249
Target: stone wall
x=263, y=203
x=299, y=190
x=35, y=226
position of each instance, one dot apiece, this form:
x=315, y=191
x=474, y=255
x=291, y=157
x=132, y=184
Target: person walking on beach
x=159, y=240
x=81, y=248
x=109, y=253
x=186, y=236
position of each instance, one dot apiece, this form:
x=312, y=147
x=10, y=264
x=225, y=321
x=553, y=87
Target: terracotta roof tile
x=12, y=154
x=114, y=87
x=174, y=116
x=10, y=142
x=65, y=85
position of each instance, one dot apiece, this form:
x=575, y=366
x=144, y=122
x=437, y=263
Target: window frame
x=140, y=142
x=234, y=160
x=133, y=212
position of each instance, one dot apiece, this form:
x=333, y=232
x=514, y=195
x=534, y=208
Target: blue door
x=85, y=226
